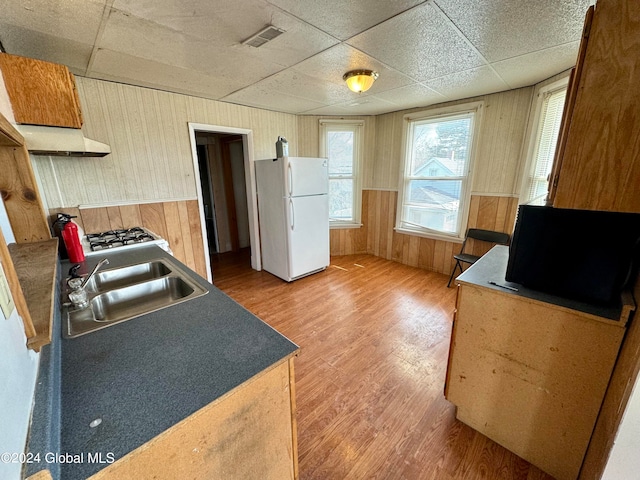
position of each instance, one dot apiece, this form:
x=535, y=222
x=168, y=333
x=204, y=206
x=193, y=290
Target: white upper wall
x=151, y=153
x=501, y=136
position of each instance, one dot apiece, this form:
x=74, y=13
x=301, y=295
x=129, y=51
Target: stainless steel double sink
x=122, y=293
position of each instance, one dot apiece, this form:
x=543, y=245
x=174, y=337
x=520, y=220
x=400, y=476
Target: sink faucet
x=78, y=295
x=102, y=262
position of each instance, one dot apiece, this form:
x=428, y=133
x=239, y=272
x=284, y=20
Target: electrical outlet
x=6, y=300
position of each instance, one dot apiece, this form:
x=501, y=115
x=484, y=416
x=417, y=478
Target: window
x=434, y=193
x=340, y=142
x=545, y=137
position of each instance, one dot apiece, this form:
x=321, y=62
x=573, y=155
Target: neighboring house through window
x=341, y=143
x=543, y=140
x=435, y=189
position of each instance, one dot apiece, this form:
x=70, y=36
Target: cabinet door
x=41, y=93
x=569, y=103
x=601, y=161
x=529, y=375
x=452, y=344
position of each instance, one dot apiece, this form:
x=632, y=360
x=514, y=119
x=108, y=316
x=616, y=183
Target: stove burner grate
x=117, y=238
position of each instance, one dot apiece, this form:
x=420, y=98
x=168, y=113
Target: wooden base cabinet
x=530, y=375
x=250, y=433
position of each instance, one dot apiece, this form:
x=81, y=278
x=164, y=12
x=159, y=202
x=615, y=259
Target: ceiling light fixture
x=360, y=80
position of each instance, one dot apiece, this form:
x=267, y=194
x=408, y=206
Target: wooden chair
x=490, y=236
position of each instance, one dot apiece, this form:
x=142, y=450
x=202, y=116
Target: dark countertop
x=492, y=268
x=144, y=375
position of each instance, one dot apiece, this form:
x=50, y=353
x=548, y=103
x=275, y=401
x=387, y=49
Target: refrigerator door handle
x=292, y=214
x=290, y=179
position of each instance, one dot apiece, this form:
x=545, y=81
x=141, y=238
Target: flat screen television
x=584, y=255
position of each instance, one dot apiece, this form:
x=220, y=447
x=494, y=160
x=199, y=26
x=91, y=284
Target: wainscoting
x=378, y=238
x=177, y=222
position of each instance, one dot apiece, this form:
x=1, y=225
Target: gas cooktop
x=119, y=238
x=94, y=243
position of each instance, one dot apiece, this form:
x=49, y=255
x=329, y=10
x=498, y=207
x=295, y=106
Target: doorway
x=226, y=190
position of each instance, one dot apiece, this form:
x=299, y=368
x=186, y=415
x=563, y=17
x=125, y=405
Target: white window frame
x=533, y=136
x=357, y=127
x=473, y=108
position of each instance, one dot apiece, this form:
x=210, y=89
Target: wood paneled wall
x=499, y=153
x=491, y=213
x=309, y=138
x=496, y=180
x=151, y=153
x=177, y=222
x=500, y=147
x=377, y=235
x=348, y=241
x=151, y=162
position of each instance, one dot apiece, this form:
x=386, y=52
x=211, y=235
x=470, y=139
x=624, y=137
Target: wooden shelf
x=36, y=265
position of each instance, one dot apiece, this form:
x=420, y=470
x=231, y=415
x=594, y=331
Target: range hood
x=59, y=141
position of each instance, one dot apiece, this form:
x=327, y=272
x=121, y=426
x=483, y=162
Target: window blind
x=548, y=131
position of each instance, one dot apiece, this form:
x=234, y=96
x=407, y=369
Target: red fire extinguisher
x=70, y=237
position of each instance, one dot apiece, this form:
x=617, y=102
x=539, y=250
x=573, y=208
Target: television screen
x=585, y=255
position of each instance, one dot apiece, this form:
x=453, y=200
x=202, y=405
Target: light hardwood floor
x=374, y=339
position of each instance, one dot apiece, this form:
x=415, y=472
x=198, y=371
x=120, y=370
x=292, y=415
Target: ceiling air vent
x=263, y=36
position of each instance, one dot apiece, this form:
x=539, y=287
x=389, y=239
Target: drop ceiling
x=426, y=52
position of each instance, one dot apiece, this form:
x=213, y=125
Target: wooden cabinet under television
x=597, y=165
x=528, y=369
x=41, y=93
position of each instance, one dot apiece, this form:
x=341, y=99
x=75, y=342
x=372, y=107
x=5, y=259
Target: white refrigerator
x=293, y=210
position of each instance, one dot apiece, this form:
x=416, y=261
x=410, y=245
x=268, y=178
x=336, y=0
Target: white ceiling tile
x=221, y=24
x=76, y=20
x=25, y=42
x=363, y=106
x=119, y=67
x=424, y=44
x=217, y=20
x=334, y=62
x=299, y=42
x=470, y=83
x=156, y=43
x=194, y=47
x=292, y=82
x=502, y=29
x=533, y=68
x=415, y=95
x=239, y=63
x=264, y=97
x=344, y=19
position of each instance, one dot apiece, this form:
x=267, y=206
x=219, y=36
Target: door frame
x=250, y=174
x=211, y=199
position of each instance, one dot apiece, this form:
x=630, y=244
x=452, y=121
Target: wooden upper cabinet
x=41, y=93
x=598, y=162
x=569, y=104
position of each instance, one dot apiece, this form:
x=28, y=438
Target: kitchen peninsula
x=529, y=370
x=202, y=389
